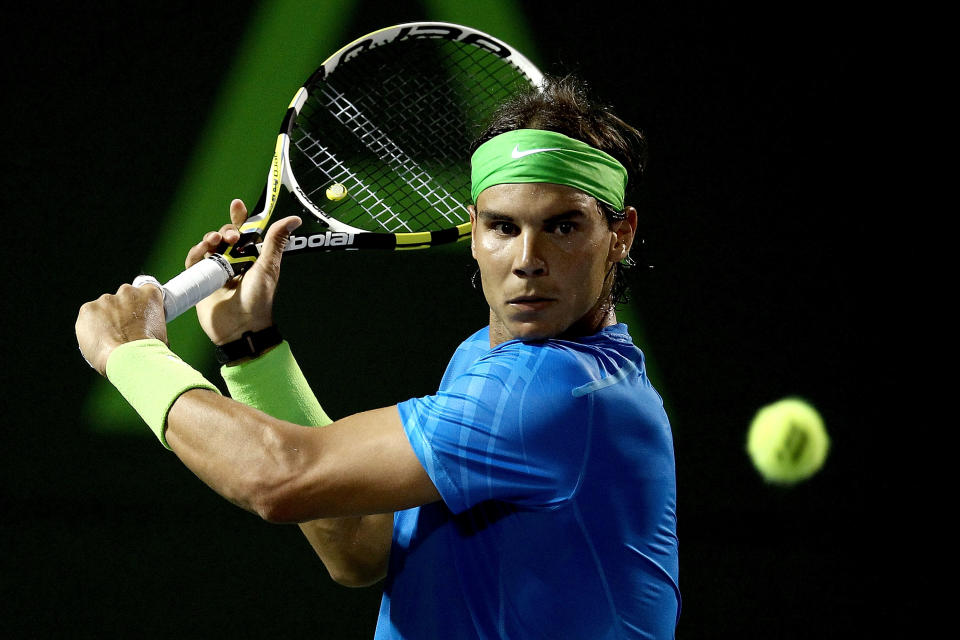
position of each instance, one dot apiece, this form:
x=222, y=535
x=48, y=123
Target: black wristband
x=250, y=345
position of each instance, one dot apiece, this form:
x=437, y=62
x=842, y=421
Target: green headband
x=535, y=155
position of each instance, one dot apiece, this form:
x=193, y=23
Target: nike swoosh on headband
x=516, y=153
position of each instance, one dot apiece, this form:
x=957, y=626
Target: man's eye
x=506, y=228
x=564, y=228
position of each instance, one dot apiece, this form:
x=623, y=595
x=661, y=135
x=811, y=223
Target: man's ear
x=624, y=233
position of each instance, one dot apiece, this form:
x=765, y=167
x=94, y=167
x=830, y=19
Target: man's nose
x=529, y=260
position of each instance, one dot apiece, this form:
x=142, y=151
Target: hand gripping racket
x=375, y=148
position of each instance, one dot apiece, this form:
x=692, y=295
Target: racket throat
x=240, y=256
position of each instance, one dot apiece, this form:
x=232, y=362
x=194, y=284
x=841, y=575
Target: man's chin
x=533, y=328
x=532, y=332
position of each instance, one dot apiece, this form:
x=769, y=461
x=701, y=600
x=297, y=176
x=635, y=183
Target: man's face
x=544, y=252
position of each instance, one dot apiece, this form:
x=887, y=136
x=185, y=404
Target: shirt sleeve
x=508, y=428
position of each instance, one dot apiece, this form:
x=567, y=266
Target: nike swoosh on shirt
x=516, y=153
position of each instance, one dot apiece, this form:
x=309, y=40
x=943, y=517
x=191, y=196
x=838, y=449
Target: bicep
x=363, y=464
x=284, y=472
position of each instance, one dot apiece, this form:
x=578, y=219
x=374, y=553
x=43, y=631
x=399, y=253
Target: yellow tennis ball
x=787, y=441
x=336, y=192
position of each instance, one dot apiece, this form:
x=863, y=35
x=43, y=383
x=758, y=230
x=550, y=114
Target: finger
x=153, y=289
x=203, y=248
x=238, y=212
x=229, y=233
x=195, y=255
x=274, y=243
x=142, y=287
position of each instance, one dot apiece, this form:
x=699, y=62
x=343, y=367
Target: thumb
x=273, y=243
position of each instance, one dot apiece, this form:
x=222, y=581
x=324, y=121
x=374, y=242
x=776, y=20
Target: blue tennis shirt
x=555, y=463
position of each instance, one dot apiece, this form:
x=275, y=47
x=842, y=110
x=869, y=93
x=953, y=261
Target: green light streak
x=285, y=42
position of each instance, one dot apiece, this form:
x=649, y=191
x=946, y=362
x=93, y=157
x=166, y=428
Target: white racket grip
x=184, y=291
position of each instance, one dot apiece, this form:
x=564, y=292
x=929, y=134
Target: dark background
x=760, y=209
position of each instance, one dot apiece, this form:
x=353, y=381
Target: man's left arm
x=355, y=550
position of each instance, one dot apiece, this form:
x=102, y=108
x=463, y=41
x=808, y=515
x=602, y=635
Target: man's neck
x=600, y=317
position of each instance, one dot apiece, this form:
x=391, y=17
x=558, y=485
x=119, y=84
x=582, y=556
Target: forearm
x=354, y=549
x=243, y=454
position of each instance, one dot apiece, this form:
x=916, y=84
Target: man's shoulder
x=614, y=338
x=569, y=361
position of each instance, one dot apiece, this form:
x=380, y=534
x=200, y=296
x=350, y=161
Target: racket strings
x=394, y=126
x=404, y=166
x=338, y=172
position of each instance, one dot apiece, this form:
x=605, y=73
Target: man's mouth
x=530, y=302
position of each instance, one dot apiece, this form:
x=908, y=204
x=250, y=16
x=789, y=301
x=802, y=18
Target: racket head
x=375, y=146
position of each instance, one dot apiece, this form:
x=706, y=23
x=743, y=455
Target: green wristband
x=151, y=377
x=274, y=384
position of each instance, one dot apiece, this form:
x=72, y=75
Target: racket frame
x=341, y=236
x=202, y=279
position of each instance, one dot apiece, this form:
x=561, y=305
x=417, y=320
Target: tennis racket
x=374, y=147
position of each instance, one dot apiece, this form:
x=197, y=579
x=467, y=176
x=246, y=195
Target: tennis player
x=534, y=495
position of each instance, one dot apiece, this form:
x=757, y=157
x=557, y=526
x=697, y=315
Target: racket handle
x=184, y=291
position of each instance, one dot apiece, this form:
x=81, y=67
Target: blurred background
x=129, y=126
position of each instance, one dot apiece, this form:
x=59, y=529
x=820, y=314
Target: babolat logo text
x=318, y=240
